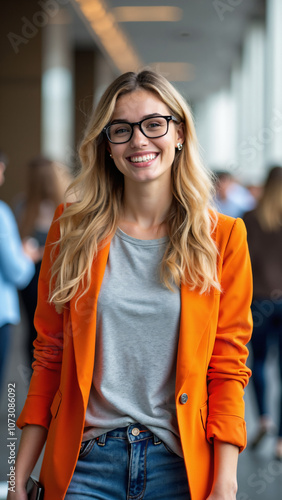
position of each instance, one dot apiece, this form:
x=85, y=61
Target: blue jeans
x=129, y=463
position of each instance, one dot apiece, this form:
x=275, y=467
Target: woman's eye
x=153, y=125
x=121, y=130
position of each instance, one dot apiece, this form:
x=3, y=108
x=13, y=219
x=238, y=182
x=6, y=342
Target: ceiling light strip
x=147, y=14
x=109, y=34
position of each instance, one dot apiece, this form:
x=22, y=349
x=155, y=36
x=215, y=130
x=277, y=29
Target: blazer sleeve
x=227, y=372
x=48, y=344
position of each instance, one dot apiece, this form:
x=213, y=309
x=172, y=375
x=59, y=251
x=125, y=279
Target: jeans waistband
x=132, y=433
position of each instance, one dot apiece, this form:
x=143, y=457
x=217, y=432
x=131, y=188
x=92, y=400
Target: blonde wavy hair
x=269, y=209
x=88, y=224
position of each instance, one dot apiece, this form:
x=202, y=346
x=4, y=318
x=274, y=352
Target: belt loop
x=102, y=439
x=156, y=440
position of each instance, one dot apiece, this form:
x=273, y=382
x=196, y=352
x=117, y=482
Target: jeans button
x=183, y=398
x=135, y=431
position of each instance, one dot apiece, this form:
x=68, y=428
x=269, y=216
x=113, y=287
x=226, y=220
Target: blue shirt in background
x=16, y=269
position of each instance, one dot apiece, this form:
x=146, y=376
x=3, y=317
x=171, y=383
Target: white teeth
x=142, y=159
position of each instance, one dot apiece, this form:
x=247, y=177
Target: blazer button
x=183, y=398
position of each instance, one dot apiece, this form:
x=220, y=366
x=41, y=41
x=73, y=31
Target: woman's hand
x=32, y=249
x=223, y=493
x=19, y=494
x=32, y=441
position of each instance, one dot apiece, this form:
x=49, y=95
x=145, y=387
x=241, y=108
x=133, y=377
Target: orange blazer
x=211, y=369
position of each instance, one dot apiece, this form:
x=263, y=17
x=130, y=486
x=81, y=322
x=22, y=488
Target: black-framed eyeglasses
x=120, y=132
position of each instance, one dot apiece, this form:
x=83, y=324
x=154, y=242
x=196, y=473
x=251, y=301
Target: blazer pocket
x=56, y=404
x=204, y=414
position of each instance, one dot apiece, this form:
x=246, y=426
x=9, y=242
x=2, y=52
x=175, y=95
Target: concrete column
x=57, y=131
x=235, y=89
x=215, y=127
x=273, y=112
x=250, y=150
x=230, y=123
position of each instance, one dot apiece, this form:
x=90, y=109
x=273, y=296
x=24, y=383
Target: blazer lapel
x=83, y=320
x=196, y=310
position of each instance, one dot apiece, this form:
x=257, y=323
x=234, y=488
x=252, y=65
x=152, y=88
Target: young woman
x=264, y=225
x=143, y=315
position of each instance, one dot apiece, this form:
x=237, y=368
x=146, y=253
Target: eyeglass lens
x=151, y=127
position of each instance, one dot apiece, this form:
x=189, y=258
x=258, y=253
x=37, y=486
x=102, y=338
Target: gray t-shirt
x=136, y=344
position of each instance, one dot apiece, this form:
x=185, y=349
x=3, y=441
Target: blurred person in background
x=256, y=191
x=232, y=198
x=264, y=232
x=47, y=182
x=16, y=271
x=143, y=315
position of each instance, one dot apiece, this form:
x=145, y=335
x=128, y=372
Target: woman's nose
x=138, y=137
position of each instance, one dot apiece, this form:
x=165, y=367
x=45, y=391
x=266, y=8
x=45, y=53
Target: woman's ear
x=180, y=133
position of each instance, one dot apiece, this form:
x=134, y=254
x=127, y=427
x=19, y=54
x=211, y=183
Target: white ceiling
x=207, y=38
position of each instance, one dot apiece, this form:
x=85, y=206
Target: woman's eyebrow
x=122, y=120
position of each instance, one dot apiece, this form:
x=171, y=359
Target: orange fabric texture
x=211, y=369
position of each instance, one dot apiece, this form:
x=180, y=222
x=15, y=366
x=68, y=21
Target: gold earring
x=179, y=146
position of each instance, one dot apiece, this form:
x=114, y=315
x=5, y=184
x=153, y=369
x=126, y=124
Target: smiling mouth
x=143, y=159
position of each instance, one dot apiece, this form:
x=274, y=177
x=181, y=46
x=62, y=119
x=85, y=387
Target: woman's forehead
x=140, y=101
